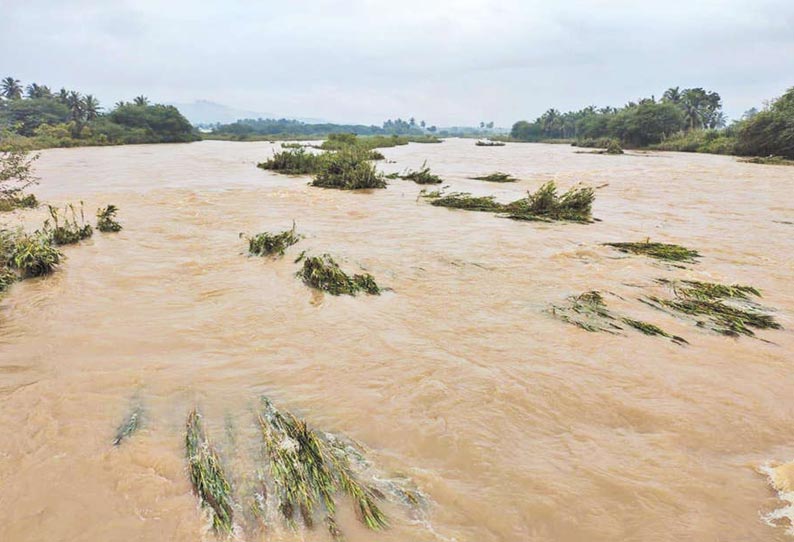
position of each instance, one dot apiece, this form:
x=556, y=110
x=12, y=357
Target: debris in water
x=106, y=219
x=660, y=251
x=464, y=200
x=422, y=176
x=323, y=273
x=489, y=143
x=207, y=476
x=496, y=177
x=269, y=244
x=129, y=425
x=726, y=309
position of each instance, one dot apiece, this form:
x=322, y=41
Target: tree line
x=682, y=119
x=37, y=117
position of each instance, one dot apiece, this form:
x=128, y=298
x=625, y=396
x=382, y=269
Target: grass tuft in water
x=33, y=255
x=271, y=244
x=309, y=471
x=726, y=309
x=106, y=219
x=464, y=200
x=422, y=176
x=65, y=229
x=574, y=205
x=348, y=169
x=660, y=251
x=295, y=161
x=489, y=143
x=496, y=177
x=769, y=160
x=207, y=476
x=15, y=201
x=323, y=273
x=130, y=424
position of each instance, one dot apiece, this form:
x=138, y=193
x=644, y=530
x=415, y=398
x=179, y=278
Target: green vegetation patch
x=323, y=273
x=769, y=161
x=574, y=205
x=310, y=469
x=293, y=162
x=207, y=476
x=271, y=244
x=11, y=202
x=496, y=177
x=589, y=311
x=348, y=169
x=106, y=219
x=490, y=143
x=65, y=230
x=33, y=255
x=660, y=251
x=726, y=309
x=421, y=176
x=464, y=200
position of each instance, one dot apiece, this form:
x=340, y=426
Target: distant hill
x=207, y=112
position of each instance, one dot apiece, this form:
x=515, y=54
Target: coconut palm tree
x=38, y=91
x=12, y=89
x=90, y=107
x=672, y=95
x=141, y=100
x=75, y=103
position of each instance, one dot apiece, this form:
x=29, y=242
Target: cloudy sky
x=446, y=61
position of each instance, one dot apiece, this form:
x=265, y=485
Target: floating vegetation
x=769, y=160
x=348, y=169
x=293, y=145
x=130, y=424
x=206, y=474
x=106, y=219
x=660, y=251
x=464, y=200
x=293, y=162
x=726, y=309
x=489, y=143
x=392, y=176
x=422, y=176
x=309, y=468
x=271, y=244
x=66, y=230
x=323, y=273
x=15, y=201
x=588, y=311
x=496, y=177
x=34, y=255
x=575, y=205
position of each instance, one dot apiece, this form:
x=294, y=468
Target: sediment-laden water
x=519, y=427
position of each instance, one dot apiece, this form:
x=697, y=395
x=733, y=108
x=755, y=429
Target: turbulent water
x=519, y=427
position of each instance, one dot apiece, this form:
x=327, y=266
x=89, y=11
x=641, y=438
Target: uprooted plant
x=496, y=177
x=271, y=244
x=65, y=230
x=726, y=309
x=348, y=169
x=207, y=476
x=421, y=176
x=589, y=311
x=106, y=219
x=660, y=251
x=129, y=426
x=323, y=273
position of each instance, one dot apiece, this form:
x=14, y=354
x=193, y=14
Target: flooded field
x=516, y=425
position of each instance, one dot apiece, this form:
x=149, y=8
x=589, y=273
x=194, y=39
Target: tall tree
x=141, y=100
x=12, y=89
x=90, y=107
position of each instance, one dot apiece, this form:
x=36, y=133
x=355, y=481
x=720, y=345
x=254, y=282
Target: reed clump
x=348, y=169
x=271, y=244
x=574, y=205
x=294, y=161
x=323, y=273
x=421, y=176
x=209, y=481
x=660, y=251
x=65, y=230
x=726, y=309
x=106, y=219
x=496, y=177
x=310, y=469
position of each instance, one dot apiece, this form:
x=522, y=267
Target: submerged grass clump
x=422, y=176
x=106, y=219
x=323, y=273
x=33, y=255
x=769, y=160
x=348, y=169
x=489, y=143
x=464, y=200
x=295, y=161
x=589, y=311
x=206, y=474
x=726, y=309
x=496, y=177
x=271, y=244
x=16, y=201
x=574, y=205
x=660, y=251
x=130, y=424
x=65, y=229
x=309, y=469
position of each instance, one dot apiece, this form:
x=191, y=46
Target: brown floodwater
x=518, y=427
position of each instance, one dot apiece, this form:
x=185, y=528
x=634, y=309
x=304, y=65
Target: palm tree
x=141, y=100
x=63, y=96
x=672, y=95
x=12, y=89
x=90, y=107
x=38, y=91
x=120, y=103
x=75, y=103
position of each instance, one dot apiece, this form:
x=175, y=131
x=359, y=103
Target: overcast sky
x=446, y=61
